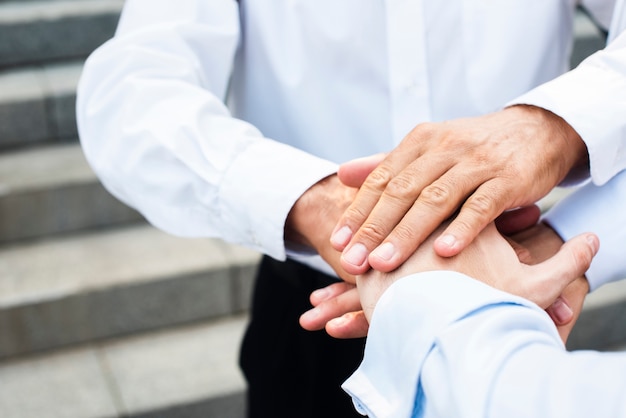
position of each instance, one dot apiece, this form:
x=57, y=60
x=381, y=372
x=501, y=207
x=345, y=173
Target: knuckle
x=379, y=178
x=355, y=214
x=435, y=195
x=462, y=227
x=480, y=205
x=582, y=258
x=373, y=232
x=406, y=236
x=420, y=133
x=401, y=187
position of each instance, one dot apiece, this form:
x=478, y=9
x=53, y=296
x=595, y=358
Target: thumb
x=354, y=172
x=569, y=263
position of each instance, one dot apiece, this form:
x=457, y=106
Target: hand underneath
x=537, y=244
x=491, y=259
x=338, y=308
x=483, y=165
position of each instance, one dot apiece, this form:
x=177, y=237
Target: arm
x=412, y=321
x=155, y=128
x=433, y=353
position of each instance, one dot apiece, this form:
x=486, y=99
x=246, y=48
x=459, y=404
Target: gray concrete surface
x=52, y=190
x=188, y=372
x=91, y=286
x=32, y=32
x=37, y=104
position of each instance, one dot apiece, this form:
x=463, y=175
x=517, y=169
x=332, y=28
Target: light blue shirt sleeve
x=444, y=345
x=601, y=210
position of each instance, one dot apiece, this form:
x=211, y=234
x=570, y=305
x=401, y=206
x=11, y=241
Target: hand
x=491, y=259
x=313, y=216
x=540, y=242
x=482, y=165
x=338, y=309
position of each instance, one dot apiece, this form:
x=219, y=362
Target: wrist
x=574, y=156
x=315, y=213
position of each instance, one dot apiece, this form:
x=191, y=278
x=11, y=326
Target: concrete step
x=588, y=39
x=88, y=287
x=185, y=372
x=33, y=32
x=50, y=190
x=37, y=104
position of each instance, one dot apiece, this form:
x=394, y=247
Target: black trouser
x=291, y=372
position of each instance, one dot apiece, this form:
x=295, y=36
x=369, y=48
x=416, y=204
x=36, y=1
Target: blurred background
x=102, y=315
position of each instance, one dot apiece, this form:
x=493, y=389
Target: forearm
x=508, y=362
x=495, y=355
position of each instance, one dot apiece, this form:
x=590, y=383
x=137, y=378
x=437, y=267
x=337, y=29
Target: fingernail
x=593, y=241
x=385, y=251
x=355, y=255
x=342, y=236
x=321, y=294
x=561, y=311
x=448, y=240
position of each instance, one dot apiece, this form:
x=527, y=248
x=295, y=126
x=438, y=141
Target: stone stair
x=102, y=315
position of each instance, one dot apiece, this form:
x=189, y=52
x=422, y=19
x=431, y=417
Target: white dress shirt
x=444, y=345
x=212, y=118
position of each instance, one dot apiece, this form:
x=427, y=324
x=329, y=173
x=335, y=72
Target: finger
x=556, y=273
x=516, y=220
x=350, y=325
x=331, y=291
x=574, y=297
x=353, y=173
x=316, y=318
x=560, y=312
x=434, y=205
x=396, y=201
x=370, y=192
x=489, y=200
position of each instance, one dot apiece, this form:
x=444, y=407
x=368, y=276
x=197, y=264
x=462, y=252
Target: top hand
x=483, y=165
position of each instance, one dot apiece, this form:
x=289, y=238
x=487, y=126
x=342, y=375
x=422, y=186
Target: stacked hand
x=467, y=170
x=478, y=166
x=490, y=258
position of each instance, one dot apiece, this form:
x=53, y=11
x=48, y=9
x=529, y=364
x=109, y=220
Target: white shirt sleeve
x=443, y=345
x=601, y=210
x=154, y=126
x=590, y=99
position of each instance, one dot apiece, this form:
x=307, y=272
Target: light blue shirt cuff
x=601, y=210
x=404, y=326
